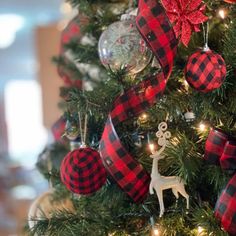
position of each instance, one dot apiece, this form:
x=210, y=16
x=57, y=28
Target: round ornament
x=121, y=45
x=82, y=171
x=45, y=206
x=205, y=71
x=189, y=116
x=230, y=1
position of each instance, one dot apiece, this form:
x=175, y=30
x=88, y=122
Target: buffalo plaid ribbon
x=220, y=149
x=154, y=27
x=58, y=128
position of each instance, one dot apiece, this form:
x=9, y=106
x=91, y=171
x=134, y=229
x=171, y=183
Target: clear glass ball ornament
x=121, y=45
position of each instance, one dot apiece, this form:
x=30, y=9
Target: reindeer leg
x=175, y=192
x=160, y=199
x=184, y=194
x=151, y=188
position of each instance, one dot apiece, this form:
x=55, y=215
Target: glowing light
x=222, y=13
x=9, y=25
x=202, y=127
x=200, y=229
x=144, y=116
x=152, y=147
x=186, y=83
x=155, y=231
x=111, y=234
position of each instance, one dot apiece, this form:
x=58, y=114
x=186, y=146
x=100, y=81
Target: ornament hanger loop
x=83, y=132
x=205, y=36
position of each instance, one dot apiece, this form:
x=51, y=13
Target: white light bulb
x=186, y=83
x=222, y=13
x=155, y=232
x=151, y=147
x=199, y=229
x=202, y=127
x=144, y=116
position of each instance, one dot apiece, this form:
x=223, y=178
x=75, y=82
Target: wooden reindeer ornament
x=158, y=182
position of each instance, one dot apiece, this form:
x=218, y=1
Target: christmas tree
x=149, y=105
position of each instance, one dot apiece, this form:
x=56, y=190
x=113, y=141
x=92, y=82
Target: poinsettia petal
x=196, y=28
x=202, y=8
x=172, y=16
x=177, y=28
x=193, y=5
x=171, y=5
x=186, y=33
x=196, y=17
x=184, y=4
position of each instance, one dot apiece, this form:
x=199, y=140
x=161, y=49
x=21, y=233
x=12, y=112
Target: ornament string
x=85, y=127
x=153, y=25
x=83, y=132
x=49, y=167
x=205, y=36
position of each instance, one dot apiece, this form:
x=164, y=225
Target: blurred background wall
x=29, y=93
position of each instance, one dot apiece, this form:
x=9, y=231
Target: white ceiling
x=18, y=61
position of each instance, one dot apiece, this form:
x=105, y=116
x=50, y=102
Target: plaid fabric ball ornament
x=205, y=71
x=82, y=171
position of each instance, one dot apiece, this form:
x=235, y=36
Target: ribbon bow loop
x=220, y=149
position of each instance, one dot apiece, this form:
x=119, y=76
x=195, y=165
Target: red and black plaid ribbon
x=220, y=149
x=58, y=128
x=154, y=27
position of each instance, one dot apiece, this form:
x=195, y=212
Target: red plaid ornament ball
x=230, y=1
x=205, y=71
x=82, y=171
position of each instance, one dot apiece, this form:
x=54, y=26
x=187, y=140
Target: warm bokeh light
x=144, y=116
x=222, y=13
x=152, y=147
x=202, y=127
x=155, y=231
x=199, y=229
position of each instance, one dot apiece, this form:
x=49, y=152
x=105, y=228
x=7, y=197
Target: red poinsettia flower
x=186, y=16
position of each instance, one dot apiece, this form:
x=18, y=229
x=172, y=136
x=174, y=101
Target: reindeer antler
x=162, y=138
